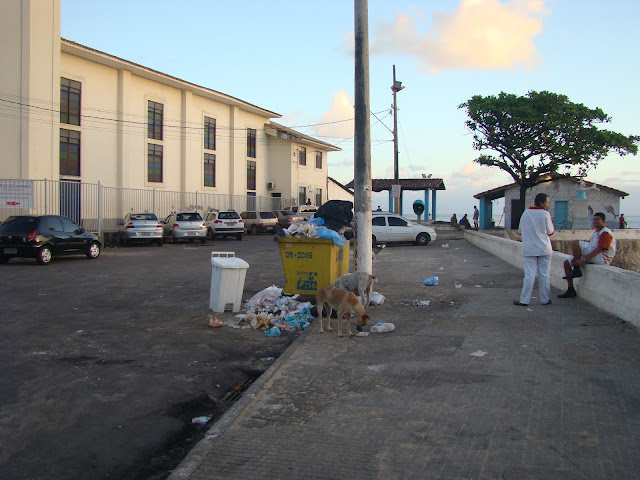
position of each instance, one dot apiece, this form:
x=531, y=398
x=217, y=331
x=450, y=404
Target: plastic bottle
x=431, y=281
x=382, y=327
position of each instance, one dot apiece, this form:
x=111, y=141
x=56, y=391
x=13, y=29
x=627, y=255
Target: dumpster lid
x=230, y=262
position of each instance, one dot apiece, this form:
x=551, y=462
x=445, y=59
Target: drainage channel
x=238, y=389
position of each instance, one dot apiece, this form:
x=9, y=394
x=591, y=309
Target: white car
x=389, y=227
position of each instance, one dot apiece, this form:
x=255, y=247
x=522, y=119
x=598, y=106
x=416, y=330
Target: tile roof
x=381, y=184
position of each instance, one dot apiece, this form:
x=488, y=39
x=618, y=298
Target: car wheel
x=4, y=259
x=203, y=241
x=121, y=238
x=44, y=256
x=170, y=239
x=124, y=240
x=373, y=240
x=254, y=229
x=94, y=251
x=423, y=239
x=159, y=242
x=239, y=236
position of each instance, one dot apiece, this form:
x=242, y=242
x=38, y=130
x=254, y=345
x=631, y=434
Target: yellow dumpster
x=311, y=263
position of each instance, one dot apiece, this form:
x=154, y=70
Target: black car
x=43, y=237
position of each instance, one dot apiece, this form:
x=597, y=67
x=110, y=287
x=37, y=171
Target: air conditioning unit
x=271, y=186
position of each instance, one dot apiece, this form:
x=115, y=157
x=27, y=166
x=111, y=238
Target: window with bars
x=154, y=163
x=318, y=196
x=69, y=152
x=70, y=91
x=209, y=133
x=318, y=159
x=251, y=175
x=302, y=156
x=209, y=170
x=251, y=142
x=154, y=122
x=302, y=195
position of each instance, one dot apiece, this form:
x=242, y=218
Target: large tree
x=541, y=133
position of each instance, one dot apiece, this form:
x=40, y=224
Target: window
x=209, y=133
x=154, y=163
x=378, y=222
x=68, y=226
x=154, y=122
x=209, y=170
x=302, y=156
x=318, y=159
x=70, y=101
x=251, y=201
x=302, y=195
x=251, y=143
x=318, y=196
x=397, y=222
x=251, y=175
x=69, y=152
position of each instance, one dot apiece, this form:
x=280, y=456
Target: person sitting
x=454, y=221
x=599, y=250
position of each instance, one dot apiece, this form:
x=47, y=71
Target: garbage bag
x=337, y=214
x=338, y=240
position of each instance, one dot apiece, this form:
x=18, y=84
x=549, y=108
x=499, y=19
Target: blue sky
x=296, y=58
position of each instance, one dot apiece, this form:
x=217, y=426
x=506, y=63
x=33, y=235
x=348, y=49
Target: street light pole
x=395, y=88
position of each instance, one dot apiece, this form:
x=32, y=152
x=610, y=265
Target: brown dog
x=342, y=301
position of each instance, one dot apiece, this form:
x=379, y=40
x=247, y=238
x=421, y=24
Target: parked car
x=140, y=227
x=184, y=226
x=287, y=217
x=224, y=223
x=259, y=222
x=389, y=227
x=303, y=210
x=43, y=237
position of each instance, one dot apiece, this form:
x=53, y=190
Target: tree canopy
x=541, y=133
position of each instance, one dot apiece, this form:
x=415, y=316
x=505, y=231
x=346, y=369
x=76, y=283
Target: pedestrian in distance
x=454, y=221
x=600, y=250
x=464, y=221
x=535, y=228
x=308, y=201
x=476, y=217
x=623, y=222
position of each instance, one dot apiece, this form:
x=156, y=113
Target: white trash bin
x=227, y=281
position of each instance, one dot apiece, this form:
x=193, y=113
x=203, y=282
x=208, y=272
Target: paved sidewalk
x=556, y=396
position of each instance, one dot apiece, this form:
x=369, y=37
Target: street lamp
x=395, y=88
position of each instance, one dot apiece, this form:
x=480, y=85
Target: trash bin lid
x=229, y=262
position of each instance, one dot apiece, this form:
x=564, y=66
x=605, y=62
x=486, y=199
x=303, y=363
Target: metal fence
x=98, y=209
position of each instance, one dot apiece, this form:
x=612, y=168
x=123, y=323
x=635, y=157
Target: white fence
x=98, y=209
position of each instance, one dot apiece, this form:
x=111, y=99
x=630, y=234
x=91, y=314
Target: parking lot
x=105, y=362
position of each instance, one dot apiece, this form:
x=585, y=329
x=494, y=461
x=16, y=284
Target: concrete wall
x=612, y=289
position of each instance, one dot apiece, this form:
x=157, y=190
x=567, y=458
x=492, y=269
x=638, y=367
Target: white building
x=72, y=113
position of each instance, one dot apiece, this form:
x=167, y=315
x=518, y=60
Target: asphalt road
x=105, y=362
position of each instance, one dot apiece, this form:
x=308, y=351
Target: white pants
x=542, y=265
x=585, y=248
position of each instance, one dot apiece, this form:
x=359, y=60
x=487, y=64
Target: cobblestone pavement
x=552, y=391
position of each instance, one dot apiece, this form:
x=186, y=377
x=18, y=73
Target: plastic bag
x=431, y=281
x=272, y=332
x=376, y=298
x=338, y=240
x=266, y=297
x=382, y=327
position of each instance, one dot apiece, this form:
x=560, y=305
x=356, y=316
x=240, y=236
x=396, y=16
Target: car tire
x=239, y=236
x=210, y=234
x=254, y=230
x=44, y=256
x=3, y=259
x=160, y=242
x=124, y=240
x=170, y=238
x=423, y=239
x=203, y=241
x=94, y=251
x=373, y=240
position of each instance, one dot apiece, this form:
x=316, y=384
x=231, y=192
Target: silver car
x=138, y=227
x=224, y=223
x=286, y=218
x=184, y=226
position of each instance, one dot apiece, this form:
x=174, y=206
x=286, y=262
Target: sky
x=297, y=59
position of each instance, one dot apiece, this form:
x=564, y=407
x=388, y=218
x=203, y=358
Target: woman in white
x=536, y=227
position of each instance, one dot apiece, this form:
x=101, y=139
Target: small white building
x=337, y=191
x=572, y=205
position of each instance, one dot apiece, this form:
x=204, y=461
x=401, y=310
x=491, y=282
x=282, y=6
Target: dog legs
x=320, y=307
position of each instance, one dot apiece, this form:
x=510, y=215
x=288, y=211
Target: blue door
x=561, y=215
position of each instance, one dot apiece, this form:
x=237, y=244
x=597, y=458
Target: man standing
x=623, y=222
x=600, y=249
x=476, y=217
x=536, y=227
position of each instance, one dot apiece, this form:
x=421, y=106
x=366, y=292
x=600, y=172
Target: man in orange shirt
x=600, y=250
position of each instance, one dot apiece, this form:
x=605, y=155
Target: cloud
x=479, y=34
x=338, y=120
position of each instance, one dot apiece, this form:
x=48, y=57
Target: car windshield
x=20, y=223
x=267, y=215
x=188, y=217
x=143, y=216
x=228, y=216
x=287, y=213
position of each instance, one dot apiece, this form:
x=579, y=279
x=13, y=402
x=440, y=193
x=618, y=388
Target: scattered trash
x=431, y=281
x=451, y=303
x=201, y=420
x=478, y=286
x=465, y=260
x=441, y=268
x=362, y=334
x=269, y=308
x=445, y=245
x=215, y=323
x=529, y=310
x=421, y=303
x=382, y=327
x=267, y=359
x=376, y=298
x=478, y=353
x=272, y=332
x=458, y=285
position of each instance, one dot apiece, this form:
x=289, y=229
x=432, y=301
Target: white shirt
x=535, y=228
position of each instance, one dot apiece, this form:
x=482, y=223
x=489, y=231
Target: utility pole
x=362, y=148
x=395, y=88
